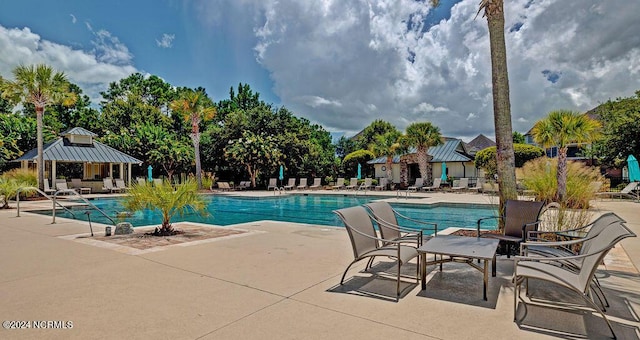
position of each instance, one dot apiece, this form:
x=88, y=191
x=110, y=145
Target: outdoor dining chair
x=519, y=218
x=550, y=269
x=366, y=244
x=388, y=221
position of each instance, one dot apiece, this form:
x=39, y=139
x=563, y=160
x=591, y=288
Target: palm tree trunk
x=562, y=174
x=501, y=106
x=389, y=170
x=196, y=146
x=422, y=164
x=40, y=137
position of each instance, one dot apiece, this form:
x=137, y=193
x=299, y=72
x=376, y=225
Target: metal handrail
x=43, y=194
x=81, y=198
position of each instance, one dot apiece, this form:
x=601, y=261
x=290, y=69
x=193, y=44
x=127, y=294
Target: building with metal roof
x=77, y=145
x=453, y=152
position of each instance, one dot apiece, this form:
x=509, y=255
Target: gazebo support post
x=129, y=174
x=53, y=174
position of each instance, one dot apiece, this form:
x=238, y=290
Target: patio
x=279, y=282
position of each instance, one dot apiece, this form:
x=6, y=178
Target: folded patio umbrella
x=634, y=169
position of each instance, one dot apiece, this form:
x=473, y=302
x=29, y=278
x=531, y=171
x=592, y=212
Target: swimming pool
x=310, y=209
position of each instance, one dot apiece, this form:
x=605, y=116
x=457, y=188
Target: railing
x=280, y=191
x=71, y=191
x=43, y=194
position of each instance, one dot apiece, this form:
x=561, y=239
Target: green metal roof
x=451, y=151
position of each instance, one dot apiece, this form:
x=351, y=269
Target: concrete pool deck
x=280, y=282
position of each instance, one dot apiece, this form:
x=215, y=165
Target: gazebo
x=78, y=145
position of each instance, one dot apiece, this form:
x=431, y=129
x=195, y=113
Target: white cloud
x=166, y=41
x=91, y=70
x=73, y=19
x=366, y=56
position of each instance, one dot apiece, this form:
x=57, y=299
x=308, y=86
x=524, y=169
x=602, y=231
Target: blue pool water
x=311, y=209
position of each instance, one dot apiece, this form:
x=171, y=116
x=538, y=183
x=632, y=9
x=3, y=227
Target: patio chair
x=77, y=184
x=388, y=220
x=382, y=185
x=107, y=184
x=417, y=185
x=224, y=186
x=435, y=186
x=628, y=192
x=317, y=183
x=303, y=184
x=158, y=182
x=273, y=184
x=353, y=183
x=479, y=186
x=291, y=184
x=142, y=181
x=120, y=184
x=546, y=269
x=366, y=244
x=368, y=184
x=463, y=184
x=244, y=185
x=519, y=218
x=339, y=184
x=47, y=188
x=61, y=184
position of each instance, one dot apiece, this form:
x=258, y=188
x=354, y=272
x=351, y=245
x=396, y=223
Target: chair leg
x=345, y=272
x=593, y=304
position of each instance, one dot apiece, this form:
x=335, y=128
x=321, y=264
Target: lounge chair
x=142, y=181
x=47, y=188
x=317, y=183
x=61, y=184
x=551, y=269
x=77, y=184
x=368, y=183
x=273, y=184
x=367, y=245
x=382, y=184
x=353, y=184
x=479, y=186
x=107, y=184
x=436, y=185
x=519, y=218
x=291, y=184
x=224, y=186
x=303, y=184
x=339, y=184
x=417, y=185
x=120, y=184
x=388, y=220
x=627, y=192
x=244, y=185
x=158, y=182
x=463, y=184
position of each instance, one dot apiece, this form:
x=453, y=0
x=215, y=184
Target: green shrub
x=13, y=180
x=539, y=175
x=486, y=158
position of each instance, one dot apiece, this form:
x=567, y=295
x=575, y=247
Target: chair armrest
x=487, y=218
x=374, y=238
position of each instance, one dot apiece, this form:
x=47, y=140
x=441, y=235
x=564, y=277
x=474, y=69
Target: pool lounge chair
x=303, y=184
x=353, y=183
x=157, y=182
x=417, y=185
x=463, y=184
x=479, y=186
x=551, y=270
x=339, y=184
x=317, y=183
x=628, y=192
x=77, y=184
x=382, y=184
x=107, y=184
x=519, y=218
x=291, y=184
x=224, y=186
x=120, y=184
x=244, y=185
x=435, y=186
x=61, y=184
x=367, y=245
x=141, y=181
x=368, y=184
x=273, y=184
x=47, y=188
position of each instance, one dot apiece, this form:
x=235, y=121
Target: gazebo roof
x=451, y=151
x=62, y=150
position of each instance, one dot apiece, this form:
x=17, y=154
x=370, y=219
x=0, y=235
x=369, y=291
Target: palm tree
x=560, y=128
x=505, y=159
x=169, y=200
x=422, y=136
x=387, y=145
x=41, y=86
x=194, y=109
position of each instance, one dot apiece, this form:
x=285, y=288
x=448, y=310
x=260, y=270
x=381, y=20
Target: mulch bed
x=186, y=233
x=474, y=233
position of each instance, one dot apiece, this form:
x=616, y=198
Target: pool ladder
x=280, y=191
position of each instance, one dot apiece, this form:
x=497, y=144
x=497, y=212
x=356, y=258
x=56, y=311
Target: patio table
x=460, y=249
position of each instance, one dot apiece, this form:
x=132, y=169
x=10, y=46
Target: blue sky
x=342, y=63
